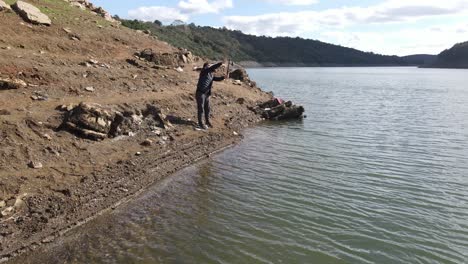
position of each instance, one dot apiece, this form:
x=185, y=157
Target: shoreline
x=52, y=179
x=50, y=238
x=144, y=171
x=254, y=64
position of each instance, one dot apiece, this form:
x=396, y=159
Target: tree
x=157, y=23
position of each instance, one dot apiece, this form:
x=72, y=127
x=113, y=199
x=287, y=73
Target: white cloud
x=293, y=23
x=293, y=2
x=161, y=13
x=331, y=25
x=183, y=11
x=203, y=6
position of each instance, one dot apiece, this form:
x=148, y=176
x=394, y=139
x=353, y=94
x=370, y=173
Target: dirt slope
x=81, y=177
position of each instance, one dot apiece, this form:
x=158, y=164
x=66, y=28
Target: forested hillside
x=455, y=57
x=281, y=51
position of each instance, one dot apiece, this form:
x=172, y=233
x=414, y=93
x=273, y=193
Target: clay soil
x=81, y=178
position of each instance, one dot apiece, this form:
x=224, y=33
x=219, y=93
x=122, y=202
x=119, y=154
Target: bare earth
x=79, y=177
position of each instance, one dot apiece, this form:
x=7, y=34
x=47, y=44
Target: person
x=205, y=83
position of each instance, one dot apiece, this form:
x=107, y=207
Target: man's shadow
x=177, y=120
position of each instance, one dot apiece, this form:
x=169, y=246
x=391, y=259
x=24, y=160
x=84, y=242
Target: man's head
x=205, y=65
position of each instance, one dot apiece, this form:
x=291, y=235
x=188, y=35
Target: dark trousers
x=203, y=106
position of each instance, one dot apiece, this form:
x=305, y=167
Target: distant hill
x=455, y=57
x=266, y=51
x=420, y=59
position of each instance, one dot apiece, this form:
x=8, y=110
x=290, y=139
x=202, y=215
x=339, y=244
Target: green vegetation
x=455, y=57
x=219, y=43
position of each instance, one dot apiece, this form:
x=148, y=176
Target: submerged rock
x=31, y=13
x=276, y=109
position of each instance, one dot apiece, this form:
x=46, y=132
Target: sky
x=390, y=27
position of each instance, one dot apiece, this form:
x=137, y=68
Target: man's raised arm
x=215, y=67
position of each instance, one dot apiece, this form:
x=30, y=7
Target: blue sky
x=399, y=27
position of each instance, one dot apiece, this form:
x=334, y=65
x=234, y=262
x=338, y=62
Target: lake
x=376, y=173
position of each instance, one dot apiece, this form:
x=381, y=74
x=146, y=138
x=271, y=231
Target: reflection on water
x=377, y=173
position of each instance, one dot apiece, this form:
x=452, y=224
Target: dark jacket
x=205, y=82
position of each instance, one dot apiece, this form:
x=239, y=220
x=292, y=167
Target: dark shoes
x=201, y=127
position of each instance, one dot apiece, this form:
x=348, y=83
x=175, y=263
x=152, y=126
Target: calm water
x=377, y=173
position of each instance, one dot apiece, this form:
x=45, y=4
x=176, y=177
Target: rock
x=276, y=109
x=47, y=136
x=19, y=203
x=92, y=117
x=240, y=74
x=147, y=31
x=179, y=69
x=31, y=13
x=4, y=112
x=39, y=96
x=8, y=211
x=237, y=82
x=2, y=204
x=157, y=132
x=79, y=5
x=240, y=101
x=148, y=142
x=35, y=165
x=89, y=89
x=4, y=6
x=138, y=154
x=65, y=108
x=8, y=84
x=235, y=133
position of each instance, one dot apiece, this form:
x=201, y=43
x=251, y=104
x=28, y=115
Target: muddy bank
x=92, y=113
x=59, y=166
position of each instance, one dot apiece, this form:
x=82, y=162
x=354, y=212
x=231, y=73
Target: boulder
x=4, y=6
x=174, y=59
x=8, y=84
x=35, y=165
x=90, y=120
x=240, y=74
x=31, y=13
x=97, y=122
x=278, y=110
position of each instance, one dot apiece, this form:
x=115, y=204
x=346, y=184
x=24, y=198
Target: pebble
x=8, y=211
x=18, y=203
x=148, y=142
x=89, y=89
x=138, y=153
x=47, y=136
x=235, y=133
x=35, y=165
x=2, y=204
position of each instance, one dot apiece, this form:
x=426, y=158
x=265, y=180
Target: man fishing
x=205, y=83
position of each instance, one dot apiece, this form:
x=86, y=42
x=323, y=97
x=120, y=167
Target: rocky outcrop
x=240, y=76
x=174, y=59
x=31, y=13
x=97, y=122
x=85, y=4
x=4, y=6
x=275, y=109
x=9, y=84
